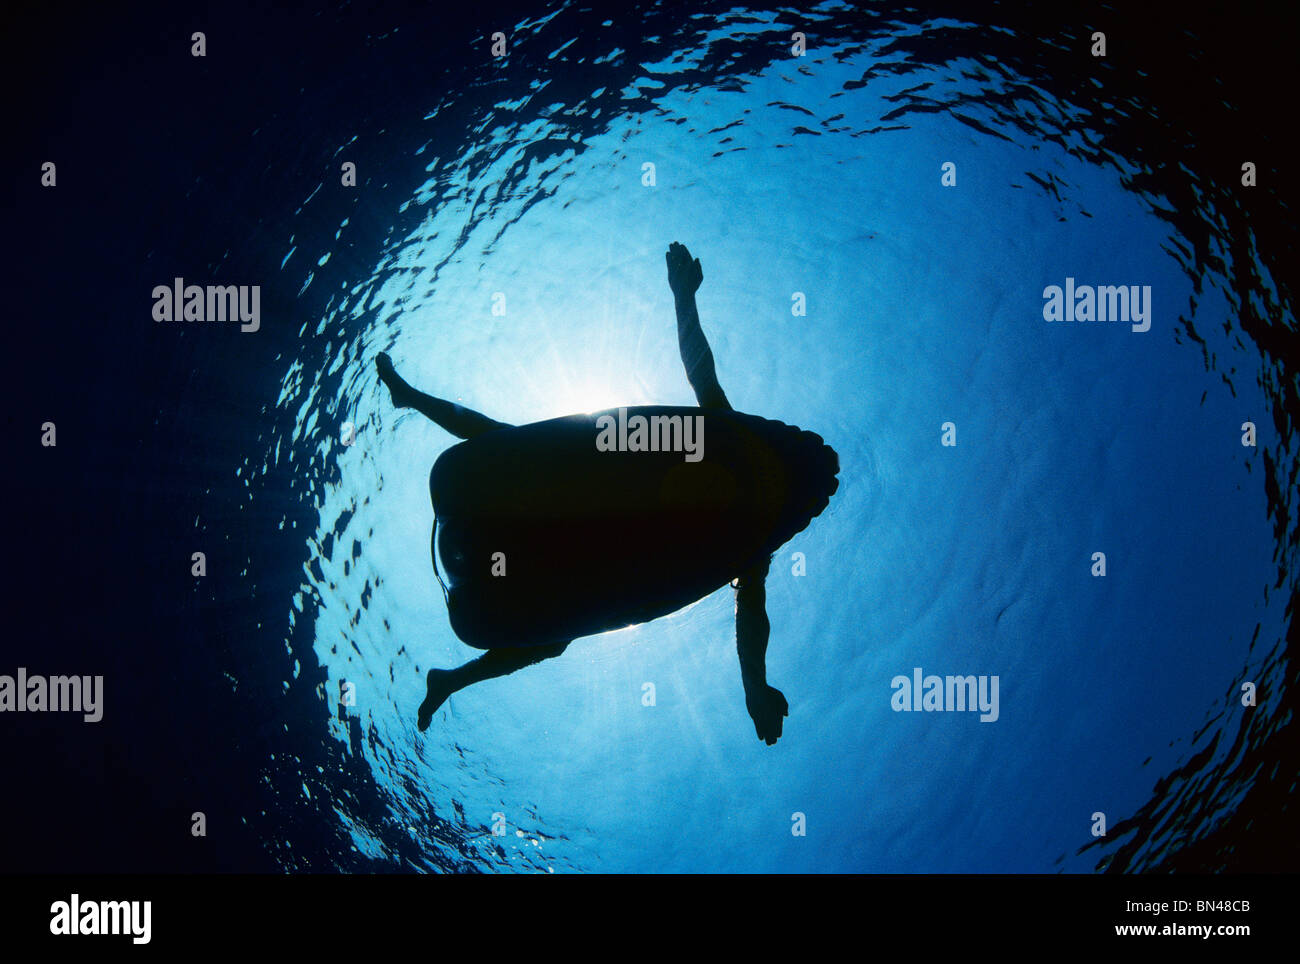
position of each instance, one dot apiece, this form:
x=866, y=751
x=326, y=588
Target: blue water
x=924, y=306
x=523, y=182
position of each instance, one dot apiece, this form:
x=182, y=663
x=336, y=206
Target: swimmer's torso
x=577, y=525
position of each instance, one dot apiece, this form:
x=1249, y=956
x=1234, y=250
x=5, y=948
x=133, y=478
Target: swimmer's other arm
x=685, y=276
x=766, y=704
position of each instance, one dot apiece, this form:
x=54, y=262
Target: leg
x=456, y=419
x=493, y=663
x=684, y=277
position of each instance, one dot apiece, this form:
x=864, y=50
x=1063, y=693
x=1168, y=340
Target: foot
x=400, y=391
x=767, y=706
x=439, y=688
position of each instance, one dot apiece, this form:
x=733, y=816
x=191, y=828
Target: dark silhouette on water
x=548, y=534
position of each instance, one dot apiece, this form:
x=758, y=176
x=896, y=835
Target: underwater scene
x=957, y=535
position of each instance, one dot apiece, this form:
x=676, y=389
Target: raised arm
x=684, y=277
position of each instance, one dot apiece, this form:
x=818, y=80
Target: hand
x=684, y=274
x=766, y=705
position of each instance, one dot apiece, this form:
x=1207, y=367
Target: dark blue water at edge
x=151, y=428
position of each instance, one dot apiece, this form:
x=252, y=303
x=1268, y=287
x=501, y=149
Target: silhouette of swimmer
x=584, y=524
